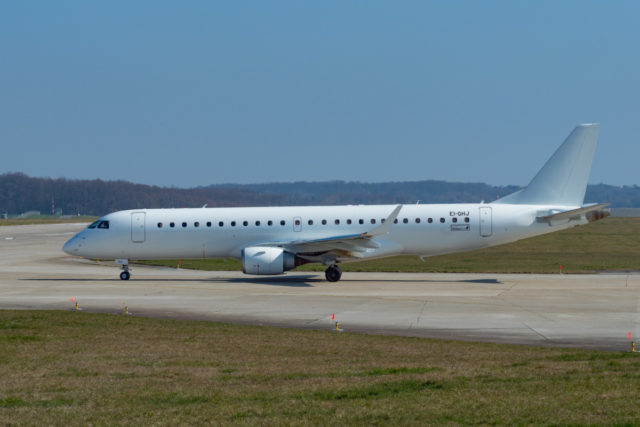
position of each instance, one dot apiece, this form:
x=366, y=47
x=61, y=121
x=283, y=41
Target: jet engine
x=265, y=260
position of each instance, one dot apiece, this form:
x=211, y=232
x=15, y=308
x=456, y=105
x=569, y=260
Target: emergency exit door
x=137, y=227
x=486, y=223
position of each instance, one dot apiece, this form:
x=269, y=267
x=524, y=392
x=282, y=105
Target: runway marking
x=536, y=332
x=420, y=314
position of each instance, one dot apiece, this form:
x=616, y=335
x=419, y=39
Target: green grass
x=102, y=369
x=612, y=244
x=45, y=219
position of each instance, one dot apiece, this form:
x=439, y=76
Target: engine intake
x=266, y=260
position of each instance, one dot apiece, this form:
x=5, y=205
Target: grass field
x=79, y=368
x=612, y=244
x=45, y=219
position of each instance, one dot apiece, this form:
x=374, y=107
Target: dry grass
x=80, y=368
x=612, y=244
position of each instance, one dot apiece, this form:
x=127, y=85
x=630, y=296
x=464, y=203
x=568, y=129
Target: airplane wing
x=342, y=245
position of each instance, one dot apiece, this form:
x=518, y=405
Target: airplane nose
x=72, y=246
x=67, y=246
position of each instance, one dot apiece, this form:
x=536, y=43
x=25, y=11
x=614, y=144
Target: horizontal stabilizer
x=577, y=213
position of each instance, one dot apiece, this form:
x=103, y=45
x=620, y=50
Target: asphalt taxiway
x=590, y=311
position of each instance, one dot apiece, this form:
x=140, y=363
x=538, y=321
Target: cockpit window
x=99, y=224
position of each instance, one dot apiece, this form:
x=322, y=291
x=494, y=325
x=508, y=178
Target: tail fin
x=563, y=179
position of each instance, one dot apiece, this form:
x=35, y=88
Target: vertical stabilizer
x=563, y=179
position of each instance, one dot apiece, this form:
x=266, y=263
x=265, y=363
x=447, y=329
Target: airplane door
x=137, y=227
x=297, y=224
x=486, y=224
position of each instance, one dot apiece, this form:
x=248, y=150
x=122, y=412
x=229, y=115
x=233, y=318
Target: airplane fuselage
x=424, y=230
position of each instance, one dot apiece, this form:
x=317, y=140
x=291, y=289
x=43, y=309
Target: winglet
x=385, y=226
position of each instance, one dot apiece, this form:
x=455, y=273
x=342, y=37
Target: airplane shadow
x=294, y=281
x=289, y=281
x=485, y=281
x=480, y=281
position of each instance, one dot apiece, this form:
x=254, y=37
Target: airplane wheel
x=125, y=275
x=333, y=273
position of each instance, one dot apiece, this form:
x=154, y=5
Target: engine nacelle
x=265, y=260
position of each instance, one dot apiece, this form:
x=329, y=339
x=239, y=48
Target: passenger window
x=282, y=222
x=310, y=222
x=324, y=222
x=349, y=221
x=297, y=222
x=184, y=224
x=257, y=223
x=196, y=224
x=454, y=219
x=172, y=224
x=383, y=220
x=430, y=220
x=245, y=223
x=269, y=223
x=159, y=225
x=337, y=222
x=373, y=221
x=466, y=219
x=442, y=220
x=405, y=220
x=233, y=223
x=395, y=221
x=417, y=220
x=221, y=224
x=361, y=221
x=103, y=224
x=208, y=223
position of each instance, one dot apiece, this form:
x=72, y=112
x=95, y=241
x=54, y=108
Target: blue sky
x=196, y=93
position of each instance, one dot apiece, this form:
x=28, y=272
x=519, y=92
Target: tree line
x=21, y=193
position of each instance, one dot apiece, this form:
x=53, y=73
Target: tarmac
x=587, y=311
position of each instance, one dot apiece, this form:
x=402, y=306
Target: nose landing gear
x=125, y=275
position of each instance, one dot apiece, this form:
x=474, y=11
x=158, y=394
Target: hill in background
x=20, y=193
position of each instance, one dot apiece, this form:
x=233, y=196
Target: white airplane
x=272, y=240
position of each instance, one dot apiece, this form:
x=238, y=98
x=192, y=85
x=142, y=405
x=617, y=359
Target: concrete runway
x=590, y=311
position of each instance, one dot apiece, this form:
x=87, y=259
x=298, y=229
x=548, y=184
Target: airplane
x=272, y=240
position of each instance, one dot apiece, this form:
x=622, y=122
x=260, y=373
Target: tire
x=333, y=274
x=125, y=275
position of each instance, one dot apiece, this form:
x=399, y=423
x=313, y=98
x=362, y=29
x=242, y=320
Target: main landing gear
x=333, y=273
